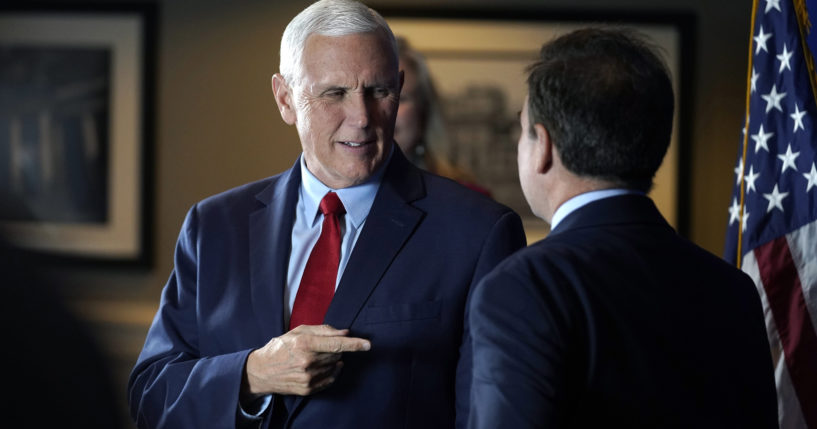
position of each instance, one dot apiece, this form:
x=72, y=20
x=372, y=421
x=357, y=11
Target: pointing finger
x=339, y=344
x=322, y=330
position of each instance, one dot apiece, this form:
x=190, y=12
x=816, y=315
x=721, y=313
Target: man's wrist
x=251, y=405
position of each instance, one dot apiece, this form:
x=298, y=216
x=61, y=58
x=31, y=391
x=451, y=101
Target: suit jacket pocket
x=402, y=312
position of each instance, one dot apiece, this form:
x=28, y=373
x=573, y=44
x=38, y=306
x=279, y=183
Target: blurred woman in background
x=420, y=129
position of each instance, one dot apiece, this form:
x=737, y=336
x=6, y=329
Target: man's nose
x=359, y=110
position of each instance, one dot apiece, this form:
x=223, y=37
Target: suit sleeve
x=172, y=384
x=506, y=237
x=519, y=342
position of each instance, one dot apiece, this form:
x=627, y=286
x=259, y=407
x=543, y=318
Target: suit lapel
x=389, y=224
x=270, y=236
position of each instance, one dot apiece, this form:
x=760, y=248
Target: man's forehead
x=328, y=60
x=351, y=40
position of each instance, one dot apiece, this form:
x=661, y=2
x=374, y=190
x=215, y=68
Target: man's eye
x=381, y=92
x=334, y=93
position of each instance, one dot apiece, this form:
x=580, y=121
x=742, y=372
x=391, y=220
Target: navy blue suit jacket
x=614, y=320
x=426, y=242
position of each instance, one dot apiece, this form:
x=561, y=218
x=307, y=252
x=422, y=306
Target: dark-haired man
x=613, y=320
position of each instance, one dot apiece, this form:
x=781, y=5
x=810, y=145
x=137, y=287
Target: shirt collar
x=357, y=200
x=580, y=200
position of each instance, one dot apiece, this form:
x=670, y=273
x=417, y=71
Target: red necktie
x=321, y=272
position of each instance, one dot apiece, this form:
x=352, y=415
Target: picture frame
x=477, y=60
x=76, y=129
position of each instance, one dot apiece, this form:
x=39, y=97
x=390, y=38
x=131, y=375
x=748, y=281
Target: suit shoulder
x=718, y=267
x=551, y=264
x=536, y=256
x=240, y=195
x=529, y=281
x=445, y=192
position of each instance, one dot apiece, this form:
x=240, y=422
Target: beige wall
x=217, y=127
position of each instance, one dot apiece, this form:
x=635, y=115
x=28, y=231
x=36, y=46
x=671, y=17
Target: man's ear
x=544, y=149
x=284, y=98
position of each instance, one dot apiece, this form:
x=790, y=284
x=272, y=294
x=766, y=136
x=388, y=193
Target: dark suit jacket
x=426, y=241
x=613, y=320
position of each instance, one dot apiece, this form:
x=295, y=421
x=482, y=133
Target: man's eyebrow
x=381, y=84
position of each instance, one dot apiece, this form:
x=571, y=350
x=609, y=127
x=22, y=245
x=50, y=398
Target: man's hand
x=303, y=361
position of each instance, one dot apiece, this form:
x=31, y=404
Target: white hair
x=327, y=18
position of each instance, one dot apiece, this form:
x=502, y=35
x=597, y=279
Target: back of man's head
x=606, y=99
x=327, y=18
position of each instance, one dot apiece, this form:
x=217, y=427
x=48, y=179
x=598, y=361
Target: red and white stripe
x=785, y=272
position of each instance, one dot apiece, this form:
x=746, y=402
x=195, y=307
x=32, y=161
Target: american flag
x=772, y=232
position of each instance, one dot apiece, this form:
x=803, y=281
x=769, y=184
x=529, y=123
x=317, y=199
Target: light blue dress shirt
x=357, y=200
x=581, y=200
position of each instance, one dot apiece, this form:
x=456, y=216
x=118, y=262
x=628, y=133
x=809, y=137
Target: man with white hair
x=332, y=294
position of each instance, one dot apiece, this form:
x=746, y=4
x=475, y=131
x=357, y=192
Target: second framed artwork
x=477, y=61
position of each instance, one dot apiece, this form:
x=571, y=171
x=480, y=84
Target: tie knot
x=331, y=204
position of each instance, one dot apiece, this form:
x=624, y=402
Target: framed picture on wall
x=477, y=61
x=76, y=129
